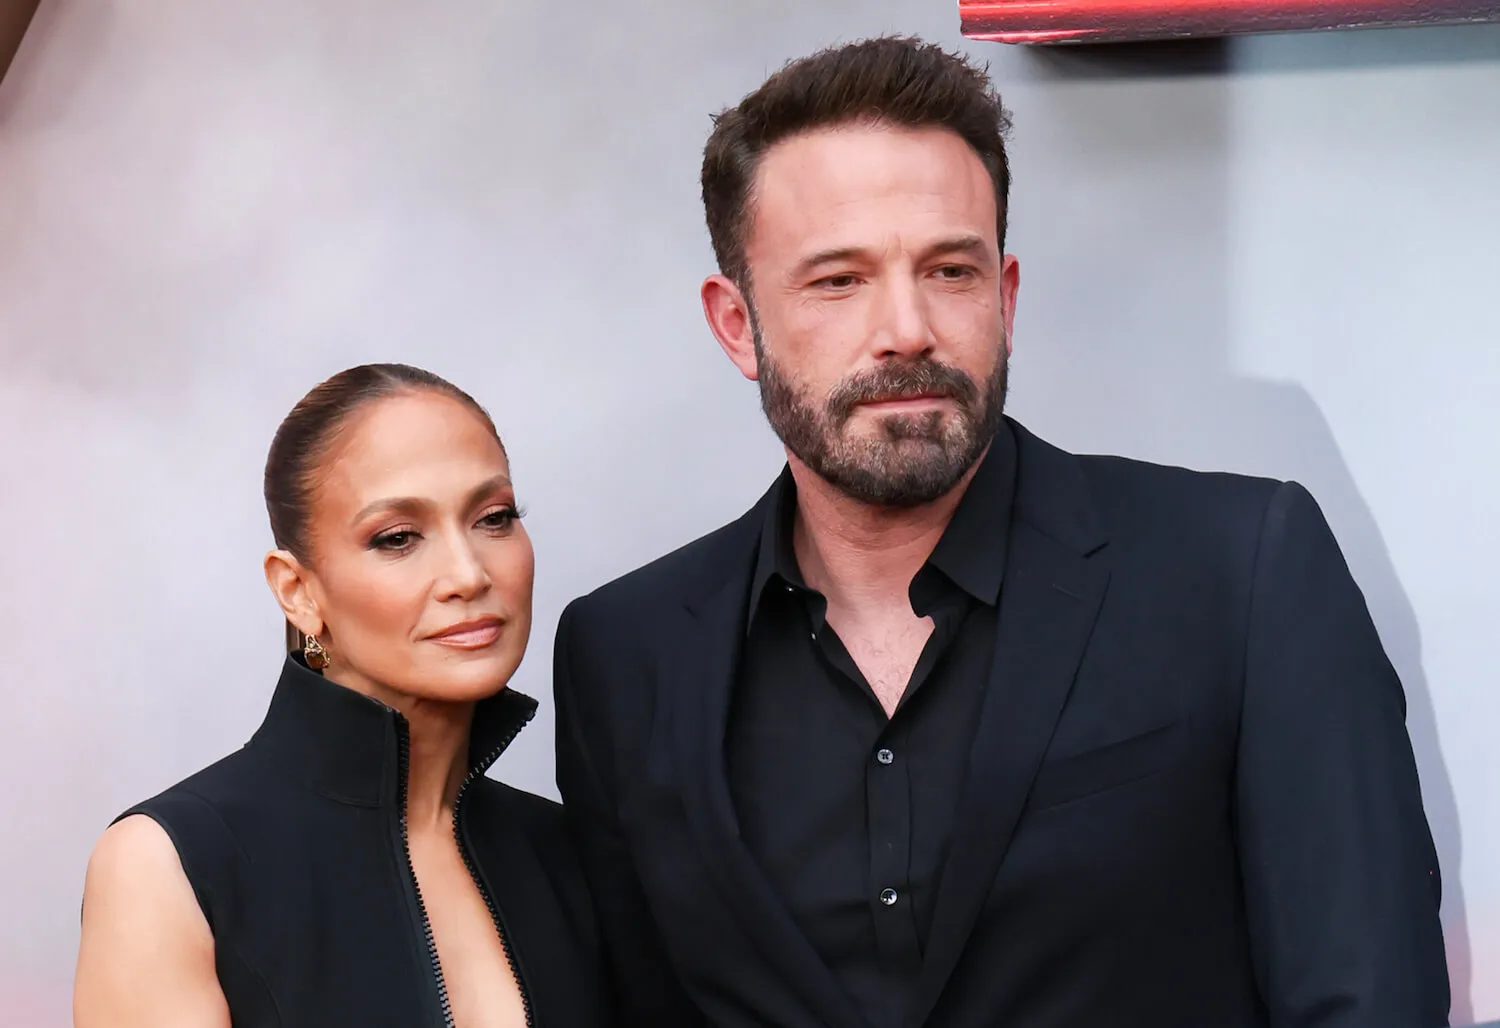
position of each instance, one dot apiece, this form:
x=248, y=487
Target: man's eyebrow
x=958, y=244
x=969, y=244
x=829, y=256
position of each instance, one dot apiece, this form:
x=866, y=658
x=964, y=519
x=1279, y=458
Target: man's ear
x=728, y=312
x=289, y=582
x=1010, y=287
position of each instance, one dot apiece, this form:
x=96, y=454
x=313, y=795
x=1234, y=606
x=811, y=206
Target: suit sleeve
x=1339, y=870
x=648, y=990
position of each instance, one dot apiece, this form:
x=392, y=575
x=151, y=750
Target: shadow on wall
x=1144, y=364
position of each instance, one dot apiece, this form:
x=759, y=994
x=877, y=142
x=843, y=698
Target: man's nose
x=905, y=331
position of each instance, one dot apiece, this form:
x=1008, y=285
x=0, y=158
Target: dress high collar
x=347, y=746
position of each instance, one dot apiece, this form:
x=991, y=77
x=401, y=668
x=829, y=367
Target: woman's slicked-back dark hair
x=893, y=80
x=309, y=431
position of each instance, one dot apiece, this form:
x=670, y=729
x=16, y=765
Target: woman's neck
x=437, y=749
x=439, y=761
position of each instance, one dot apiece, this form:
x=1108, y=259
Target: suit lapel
x=712, y=630
x=1048, y=604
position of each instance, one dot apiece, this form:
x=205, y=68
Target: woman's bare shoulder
x=146, y=955
x=137, y=851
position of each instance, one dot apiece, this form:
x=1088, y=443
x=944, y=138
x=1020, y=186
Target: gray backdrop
x=1274, y=256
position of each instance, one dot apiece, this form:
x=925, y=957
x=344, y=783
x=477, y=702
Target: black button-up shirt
x=848, y=812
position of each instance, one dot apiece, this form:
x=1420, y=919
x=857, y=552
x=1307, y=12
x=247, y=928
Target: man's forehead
x=822, y=171
x=833, y=191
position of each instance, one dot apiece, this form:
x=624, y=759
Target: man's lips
x=912, y=399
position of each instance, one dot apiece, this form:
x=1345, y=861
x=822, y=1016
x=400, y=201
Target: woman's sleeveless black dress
x=296, y=849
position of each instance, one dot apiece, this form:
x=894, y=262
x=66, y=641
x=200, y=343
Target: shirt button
x=884, y=756
x=889, y=897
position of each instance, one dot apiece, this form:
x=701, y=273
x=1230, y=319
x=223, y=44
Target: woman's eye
x=502, y=518
x=393, y=540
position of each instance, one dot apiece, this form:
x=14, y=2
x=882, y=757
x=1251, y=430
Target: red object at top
x=1105, y=21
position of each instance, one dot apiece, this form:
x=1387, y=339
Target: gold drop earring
x=315, y=654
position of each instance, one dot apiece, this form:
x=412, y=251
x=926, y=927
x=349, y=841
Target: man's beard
x=913, y=458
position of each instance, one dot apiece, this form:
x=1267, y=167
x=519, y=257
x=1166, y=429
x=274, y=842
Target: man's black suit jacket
x=1191, y=799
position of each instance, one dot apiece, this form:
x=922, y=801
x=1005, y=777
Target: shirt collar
x=970, y=553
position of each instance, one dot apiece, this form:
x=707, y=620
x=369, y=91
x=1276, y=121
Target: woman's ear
x=289, y=583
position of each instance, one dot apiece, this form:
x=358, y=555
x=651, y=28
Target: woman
x=352, y=865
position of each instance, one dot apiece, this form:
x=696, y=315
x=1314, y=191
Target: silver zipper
x=403, y=733
x=458, y=806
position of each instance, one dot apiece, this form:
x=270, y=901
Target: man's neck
x=861, y=556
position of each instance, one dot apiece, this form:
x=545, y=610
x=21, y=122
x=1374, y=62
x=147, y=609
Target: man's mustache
x=900, y=380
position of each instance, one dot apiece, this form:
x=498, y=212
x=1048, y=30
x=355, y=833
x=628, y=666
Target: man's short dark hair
x=891, y=80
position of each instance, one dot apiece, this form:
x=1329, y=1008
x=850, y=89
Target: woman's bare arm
x=146, y=959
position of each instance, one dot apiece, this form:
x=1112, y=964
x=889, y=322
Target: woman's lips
x=474, y=634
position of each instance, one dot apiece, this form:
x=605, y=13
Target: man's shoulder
x=1184, y=503
x=672, y=577
x=1114, y=477
x=1159, y=516
x=1132, y=494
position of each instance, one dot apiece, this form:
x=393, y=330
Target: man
x=953, y=727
